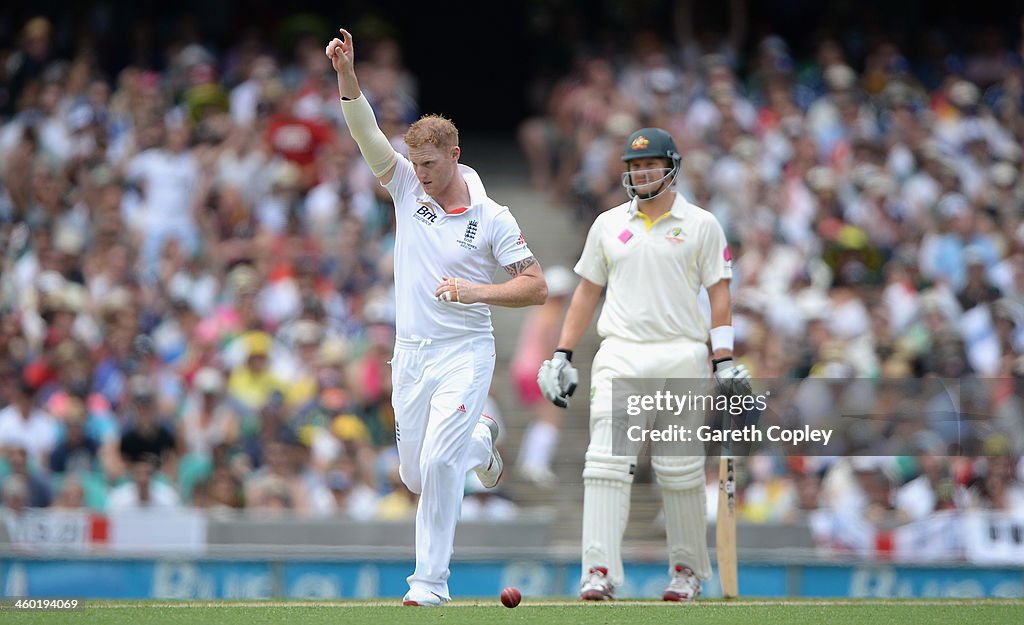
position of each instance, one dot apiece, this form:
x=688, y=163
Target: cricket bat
x=725, y=527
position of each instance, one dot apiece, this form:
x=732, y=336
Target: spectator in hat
x=933, y=488
x=977, y=288
x=206, y=419
x=240, y=311
x=298, y=369
x=331, y=358
x=823, y=116
x=145, y=435
x=942, y=253
x=172, y=337
x=1008, y=323
x=251, y=384
x=357, y=443
x=73, y=368
x=339, y=484
x=995, y=485
x=991, y=335
x=719, y=108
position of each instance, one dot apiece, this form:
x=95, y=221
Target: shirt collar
x=477, y=193
x=678, y=210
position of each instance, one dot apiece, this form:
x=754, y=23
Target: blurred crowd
x=874, y=206
x=196, y=288
x=196, y=294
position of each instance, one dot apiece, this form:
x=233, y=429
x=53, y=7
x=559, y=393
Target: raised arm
x=374, y=146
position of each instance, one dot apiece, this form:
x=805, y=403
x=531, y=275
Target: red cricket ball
x=510, y=597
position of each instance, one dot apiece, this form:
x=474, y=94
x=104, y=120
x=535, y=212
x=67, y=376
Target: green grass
x=469, y=612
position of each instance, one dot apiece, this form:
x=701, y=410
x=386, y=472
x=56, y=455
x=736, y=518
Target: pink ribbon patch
x=625, y=236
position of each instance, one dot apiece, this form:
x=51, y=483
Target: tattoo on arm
x=519, y=267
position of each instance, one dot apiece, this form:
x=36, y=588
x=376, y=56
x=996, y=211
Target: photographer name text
x=748, y=434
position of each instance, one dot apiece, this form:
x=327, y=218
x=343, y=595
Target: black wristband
x=717, y=361
x=567, y=352
x=346, y=99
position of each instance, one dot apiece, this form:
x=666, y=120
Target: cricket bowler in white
x=653, y=254
x=450, y=240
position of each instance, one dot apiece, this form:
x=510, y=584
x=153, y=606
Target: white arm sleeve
x=376, y=148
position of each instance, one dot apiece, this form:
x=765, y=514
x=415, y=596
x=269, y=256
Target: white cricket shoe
x=423, y=598
x=684, y=587
x=597, y=587
x=491, y=474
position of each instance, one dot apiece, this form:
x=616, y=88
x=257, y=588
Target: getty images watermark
x=668, y=403
x=807, y=417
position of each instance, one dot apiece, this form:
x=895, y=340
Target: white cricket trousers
x=608, y=476
x=439, y=390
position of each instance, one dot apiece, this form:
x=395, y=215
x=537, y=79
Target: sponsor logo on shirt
x=467, y=238
x=521, y=240
x=426, y=213
x=625, y=236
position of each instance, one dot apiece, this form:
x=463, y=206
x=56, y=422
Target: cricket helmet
x=651, y=143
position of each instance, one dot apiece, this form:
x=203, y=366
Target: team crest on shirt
x=426, y=213
x=467, y=238
x=675, y=236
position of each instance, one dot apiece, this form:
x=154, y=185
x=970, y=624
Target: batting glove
x=733, y=379
x=557, y=379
